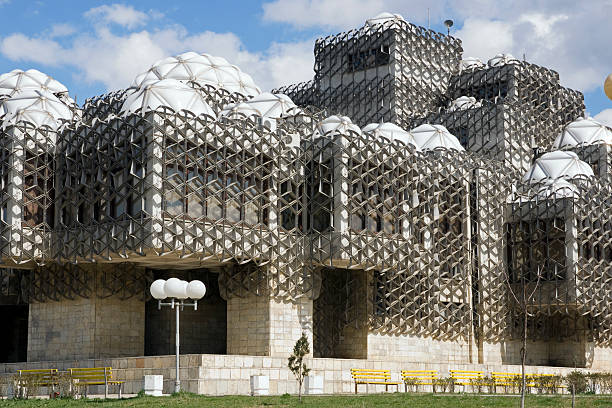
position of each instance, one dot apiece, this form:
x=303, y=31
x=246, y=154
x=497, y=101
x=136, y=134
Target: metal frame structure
x=286, y=208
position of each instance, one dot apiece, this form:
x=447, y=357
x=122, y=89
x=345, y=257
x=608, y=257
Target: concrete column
x=263, y=326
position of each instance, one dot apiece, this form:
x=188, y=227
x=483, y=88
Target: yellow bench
x=422, y=377
x=46, y=377
x=373, y=377
x=464, y=377
x=95, y=376
x=505, y=379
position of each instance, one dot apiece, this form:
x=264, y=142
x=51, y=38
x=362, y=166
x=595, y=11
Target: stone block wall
x=230, y=374
x=551, y=353
x=261, y=326
x=85, y=328
x=418, y=349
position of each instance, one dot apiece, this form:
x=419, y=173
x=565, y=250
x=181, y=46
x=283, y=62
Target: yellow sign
x=608, y=86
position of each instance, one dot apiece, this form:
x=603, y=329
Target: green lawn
x=380, y=400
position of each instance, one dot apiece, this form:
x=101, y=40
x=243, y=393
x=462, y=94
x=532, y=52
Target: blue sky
x=95, y=46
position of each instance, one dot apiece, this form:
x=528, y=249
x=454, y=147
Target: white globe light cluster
x=178, y=289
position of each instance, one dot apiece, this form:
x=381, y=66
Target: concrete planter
x=260, y=385
x=313, y=384
x=153, y=385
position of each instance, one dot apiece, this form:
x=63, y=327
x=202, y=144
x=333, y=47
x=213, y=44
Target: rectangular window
x=371, y=58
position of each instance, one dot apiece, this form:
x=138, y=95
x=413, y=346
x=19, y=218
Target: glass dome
x=336, y=125
x=502, y=59
x=390, y=131
x=557, y=189
x=471, y=63
x=202, y=69
x=17, y=80
x=557, y=165
x=35, y=106
x=463, y=103
x=167, y=92
x=583, y=132
x=267, y=105
x=435, y=137
x=383, y=18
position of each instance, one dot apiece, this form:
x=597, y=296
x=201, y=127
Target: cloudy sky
x=95, y=46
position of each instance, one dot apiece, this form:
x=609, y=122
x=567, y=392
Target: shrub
x=65, y=386
x=412, y=384
x=577, y=382
x=605, y=383
x=25, y=386
x=4, y=386
x=443, y=384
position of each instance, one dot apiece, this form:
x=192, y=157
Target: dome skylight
x=18, y=80
x=435, y=137
x=390, y=131
x=37, y=107
x=584, y=132
x=167, y=92
x=471, y=63
x=557, y=165
x=383, y=18
x=202, y=69
x=502, y=59
x=267, y=105
x=463, y=103
x=336, y=125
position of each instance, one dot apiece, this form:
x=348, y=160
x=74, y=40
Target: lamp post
x=178, y=291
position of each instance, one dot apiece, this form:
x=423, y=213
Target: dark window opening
x=537, y=245
x=372, y=58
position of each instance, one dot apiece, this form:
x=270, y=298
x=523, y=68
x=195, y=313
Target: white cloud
x=605, y=117
x=325, y=13
x=18, y=47
x=497, y=33
x=125, y=16
x=61, y=30
x=115, y=59
x=570, y=37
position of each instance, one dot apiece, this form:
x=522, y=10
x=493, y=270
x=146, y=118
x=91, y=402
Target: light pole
x=178, y=291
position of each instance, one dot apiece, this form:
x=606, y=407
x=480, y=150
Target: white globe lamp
x=196, y=290
x=176, y=288
x=157, y=289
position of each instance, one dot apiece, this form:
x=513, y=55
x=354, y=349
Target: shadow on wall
x=14, y=338
x=203, y=331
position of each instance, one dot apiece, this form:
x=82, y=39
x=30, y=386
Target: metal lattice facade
x=382, y=235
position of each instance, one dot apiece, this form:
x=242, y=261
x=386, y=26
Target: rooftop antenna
x=448, y=24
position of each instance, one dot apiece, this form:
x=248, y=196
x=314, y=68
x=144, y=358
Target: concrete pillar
x=263, y=326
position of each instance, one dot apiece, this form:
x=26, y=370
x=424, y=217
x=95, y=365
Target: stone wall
x=261, y=326
x=550, y=353
x=85, y=328
x=409, y=348
x=230, y=374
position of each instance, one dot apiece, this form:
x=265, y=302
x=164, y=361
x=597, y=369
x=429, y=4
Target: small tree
x=522, y=288
x=296, y=362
